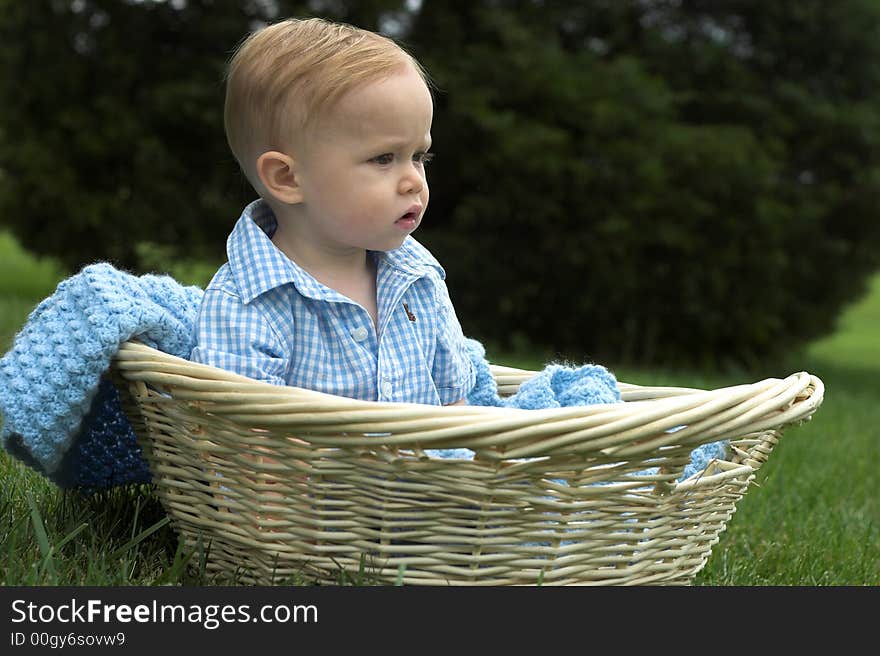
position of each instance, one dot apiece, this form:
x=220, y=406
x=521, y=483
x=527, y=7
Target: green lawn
x=812, y=519
x=816, y=518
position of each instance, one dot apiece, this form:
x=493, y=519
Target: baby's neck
x=352, y=273
x=359, y=288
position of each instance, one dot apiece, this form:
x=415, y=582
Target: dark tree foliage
x=111, y=123
x=112, y=126
x=655, y=181
x=646, y=180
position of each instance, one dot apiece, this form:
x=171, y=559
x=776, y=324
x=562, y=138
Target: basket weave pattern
x=281, y=482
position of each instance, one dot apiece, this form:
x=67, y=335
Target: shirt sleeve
x=236, y=337
x=453, y=373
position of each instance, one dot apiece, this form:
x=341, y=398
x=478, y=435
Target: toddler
x=324, y=287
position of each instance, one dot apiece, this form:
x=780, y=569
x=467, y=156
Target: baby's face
x=362, y=171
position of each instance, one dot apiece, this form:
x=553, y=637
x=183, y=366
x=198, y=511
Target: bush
x=639, y=183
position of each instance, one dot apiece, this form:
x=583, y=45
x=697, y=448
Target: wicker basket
x=281, y=482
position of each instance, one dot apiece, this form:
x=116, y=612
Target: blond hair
x=284, y=76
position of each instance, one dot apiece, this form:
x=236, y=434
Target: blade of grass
x=67, y=538
x=140, y=537
x=42, y=538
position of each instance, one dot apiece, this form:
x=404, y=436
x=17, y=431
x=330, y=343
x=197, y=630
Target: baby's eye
x=423, y=158
x=384, y=159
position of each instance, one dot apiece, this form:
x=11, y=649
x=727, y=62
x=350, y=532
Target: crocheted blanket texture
x=62, y=415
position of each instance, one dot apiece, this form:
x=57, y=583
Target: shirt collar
x=258, y=265
x=411, y=258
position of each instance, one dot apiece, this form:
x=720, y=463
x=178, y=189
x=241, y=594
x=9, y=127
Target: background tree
x=655, y=181
x=646, y=180
x=112, y=124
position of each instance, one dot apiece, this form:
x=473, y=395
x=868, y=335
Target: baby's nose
x=412, y=182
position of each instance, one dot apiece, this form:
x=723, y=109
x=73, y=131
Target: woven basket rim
x=712, y=414
x=134, y=351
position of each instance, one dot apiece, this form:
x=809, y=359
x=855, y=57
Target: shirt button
x=387, y=389
x=359, y=334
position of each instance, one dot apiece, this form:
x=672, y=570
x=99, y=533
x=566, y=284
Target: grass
x=814, y=518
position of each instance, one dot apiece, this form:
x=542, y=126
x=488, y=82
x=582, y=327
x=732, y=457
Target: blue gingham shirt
x=265, y=317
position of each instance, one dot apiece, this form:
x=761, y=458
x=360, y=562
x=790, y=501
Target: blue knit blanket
x=62, y=415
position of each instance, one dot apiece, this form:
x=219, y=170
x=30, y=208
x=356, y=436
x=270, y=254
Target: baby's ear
x=277, y=172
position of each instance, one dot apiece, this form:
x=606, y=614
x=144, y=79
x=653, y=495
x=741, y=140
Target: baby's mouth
x=411, y=216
